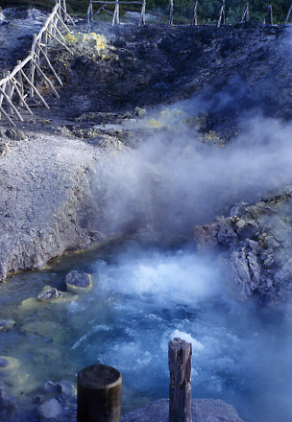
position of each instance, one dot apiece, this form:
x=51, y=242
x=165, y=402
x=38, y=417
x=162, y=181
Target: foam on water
x=143, y=297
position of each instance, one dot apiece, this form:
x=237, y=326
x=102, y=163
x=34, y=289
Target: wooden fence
x=116, y=3
x=194, y=22
x=19, y=85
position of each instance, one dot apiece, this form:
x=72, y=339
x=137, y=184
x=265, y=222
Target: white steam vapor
x=173, y=181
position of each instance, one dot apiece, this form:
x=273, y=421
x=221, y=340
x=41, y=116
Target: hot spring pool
x=142, y=297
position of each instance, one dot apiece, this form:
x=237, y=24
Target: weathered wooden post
x=288, y=14
x=195, y=19
x=142, y=18
x=90, y=12
x=270, y=15
x=180, y=390
x=221, y=20
x=245, y=15
x=116, y=16
x=170, y=20
x=99, y=394
x=9, y=92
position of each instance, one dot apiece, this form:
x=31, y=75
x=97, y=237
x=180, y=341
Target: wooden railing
x=116, y=3
x=19, y=85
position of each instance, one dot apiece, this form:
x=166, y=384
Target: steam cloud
x=173, y=181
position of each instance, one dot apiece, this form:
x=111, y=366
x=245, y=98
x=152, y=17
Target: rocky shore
x=256, y=243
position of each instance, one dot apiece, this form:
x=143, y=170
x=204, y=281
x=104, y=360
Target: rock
x=48, y=387
x=140, y=112
x=226, y=234
x=66, y=389
x=203, y=410
x=205, y=236
x=49, y=295
x=15, y=135
x=50, y=409
x=6, y=324
x=77, y=281
x=7, y=406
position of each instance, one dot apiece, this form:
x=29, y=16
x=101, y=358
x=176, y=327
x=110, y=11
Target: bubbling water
x=142, y=297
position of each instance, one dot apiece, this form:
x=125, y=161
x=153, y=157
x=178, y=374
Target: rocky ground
x=48, y=204
x=46, y=164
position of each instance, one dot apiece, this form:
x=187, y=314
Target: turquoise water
x=144, y=295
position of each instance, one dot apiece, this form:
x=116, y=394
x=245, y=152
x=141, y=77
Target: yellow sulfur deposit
x=154, y=123
x=97, y=40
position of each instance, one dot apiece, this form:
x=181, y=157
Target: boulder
x=66, y=389
x=50, y=409
x=48, y=387
x=49, y=295
x=78, y=282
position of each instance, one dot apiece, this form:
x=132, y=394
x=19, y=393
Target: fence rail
x=20, y=84
x=116, y=14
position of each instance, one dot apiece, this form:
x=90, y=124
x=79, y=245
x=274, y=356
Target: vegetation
x=208, y=10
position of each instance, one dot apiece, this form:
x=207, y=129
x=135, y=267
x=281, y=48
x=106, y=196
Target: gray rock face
x=46, y=204
x=259, y=240
x=203, y=410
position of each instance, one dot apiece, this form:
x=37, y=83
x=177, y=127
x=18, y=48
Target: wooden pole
x=142, y=18
x=221, y=20
x=47, y=80
x=195, y=14
x=270, y=15
x=288, y=14
x=10, y=103
x=35, y=89
x=7, y=116
x=9, y=91
x=1, y=95
x=116, y=17
x=245, y=15
x=99, y=394
x=180, y=390
x=170, y=20
x=32, y=68
x=61, y=43
x=23, y=103
x=90, y=12
x=51, y=67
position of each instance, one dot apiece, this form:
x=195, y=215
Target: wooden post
x=21, y=88
x=288, y=14
x=180, y=394
x=116, y=16
x=99, y=394
x=142, y=18
x=270, y=15
x=221, y=20
x=195, y=19
x=1, y=95
x=245, y=15
x=170, y=20
x=64, y=9
x=9, y=91
x=90, y=12
x=32, y=68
